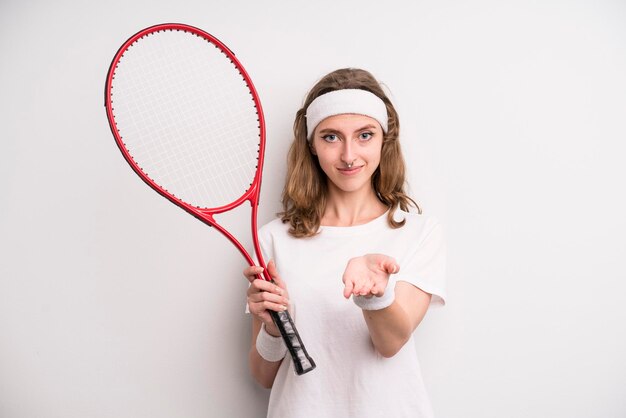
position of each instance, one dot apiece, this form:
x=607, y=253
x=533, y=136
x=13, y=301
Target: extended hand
x=368, y=275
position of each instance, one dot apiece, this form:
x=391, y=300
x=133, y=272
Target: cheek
x=325, y=155
x=324, y=162
x=375, y=155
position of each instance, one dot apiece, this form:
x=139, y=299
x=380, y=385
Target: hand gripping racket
x=186, y=117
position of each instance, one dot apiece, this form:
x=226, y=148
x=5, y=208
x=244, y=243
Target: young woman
x=354, y=267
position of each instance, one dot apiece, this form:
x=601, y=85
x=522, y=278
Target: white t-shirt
x=351, y=378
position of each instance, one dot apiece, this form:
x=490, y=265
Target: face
x=348, y=148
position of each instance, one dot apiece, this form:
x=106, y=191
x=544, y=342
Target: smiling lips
x=350, y=171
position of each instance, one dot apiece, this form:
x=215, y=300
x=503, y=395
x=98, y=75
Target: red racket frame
x=203, y=214
x=302, y=362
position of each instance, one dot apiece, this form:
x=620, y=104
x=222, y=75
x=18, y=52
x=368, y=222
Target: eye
x=330, y=138
x=366, y=136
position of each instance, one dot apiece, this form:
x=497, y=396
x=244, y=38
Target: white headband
x=339, y=102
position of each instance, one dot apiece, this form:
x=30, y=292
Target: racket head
x=187, y=118
x=179, y=105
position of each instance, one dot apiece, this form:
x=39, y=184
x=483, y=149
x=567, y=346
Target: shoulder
x=274, y=228
x=419, y=225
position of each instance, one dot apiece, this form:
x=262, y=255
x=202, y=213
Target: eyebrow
x=330, y=130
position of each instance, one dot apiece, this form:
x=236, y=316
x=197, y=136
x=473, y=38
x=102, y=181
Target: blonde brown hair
x=305, y=193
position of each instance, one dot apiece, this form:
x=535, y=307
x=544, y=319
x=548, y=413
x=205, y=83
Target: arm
x=264, y=371
x=263, y=295
x=390, y=327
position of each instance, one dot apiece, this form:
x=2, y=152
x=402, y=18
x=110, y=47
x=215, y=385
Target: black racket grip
x=301, y=360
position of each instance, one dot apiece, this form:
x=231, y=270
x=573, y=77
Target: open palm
x=368, y=275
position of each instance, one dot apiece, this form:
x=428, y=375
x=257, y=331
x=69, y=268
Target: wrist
x=376, y=303
x=272, y=330
x=269, y=347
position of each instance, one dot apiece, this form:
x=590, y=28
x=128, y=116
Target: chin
x=346, y=187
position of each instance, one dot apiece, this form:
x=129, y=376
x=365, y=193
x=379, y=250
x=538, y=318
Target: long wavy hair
x=306, y=188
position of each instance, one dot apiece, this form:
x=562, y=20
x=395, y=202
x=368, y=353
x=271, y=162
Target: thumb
x=271, y=269
x=390, y=266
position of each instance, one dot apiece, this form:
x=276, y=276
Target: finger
x=265, y=286
x=273, y=272
x=365, y=290
x=267, y=305
x=348, y=288
x=251, y=273
x=268, y=297
x=378, y=289
x=361, y=289
x=271, y=268
x=390, y=266
x=375, y=289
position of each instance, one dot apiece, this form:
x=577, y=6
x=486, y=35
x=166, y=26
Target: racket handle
x=301, y=360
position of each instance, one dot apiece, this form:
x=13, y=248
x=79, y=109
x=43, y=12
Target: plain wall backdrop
x=115, y=303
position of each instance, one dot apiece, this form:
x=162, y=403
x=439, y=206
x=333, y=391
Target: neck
x=352, y=208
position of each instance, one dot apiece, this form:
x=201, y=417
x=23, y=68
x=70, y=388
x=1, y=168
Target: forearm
x=389, y=328
x=263, y=371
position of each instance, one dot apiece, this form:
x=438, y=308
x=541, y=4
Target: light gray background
x=115, y=303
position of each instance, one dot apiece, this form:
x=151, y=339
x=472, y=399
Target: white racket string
x=187, y=117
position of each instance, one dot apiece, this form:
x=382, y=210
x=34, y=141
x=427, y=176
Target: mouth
x=350, y=171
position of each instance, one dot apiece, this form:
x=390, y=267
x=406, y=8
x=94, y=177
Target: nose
x=347, y=153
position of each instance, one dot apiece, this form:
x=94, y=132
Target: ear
x=312, y=147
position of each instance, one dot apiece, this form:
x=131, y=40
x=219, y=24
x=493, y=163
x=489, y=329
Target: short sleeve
x=425, y=267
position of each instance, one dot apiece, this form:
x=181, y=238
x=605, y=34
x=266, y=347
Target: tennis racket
x=188, y=120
